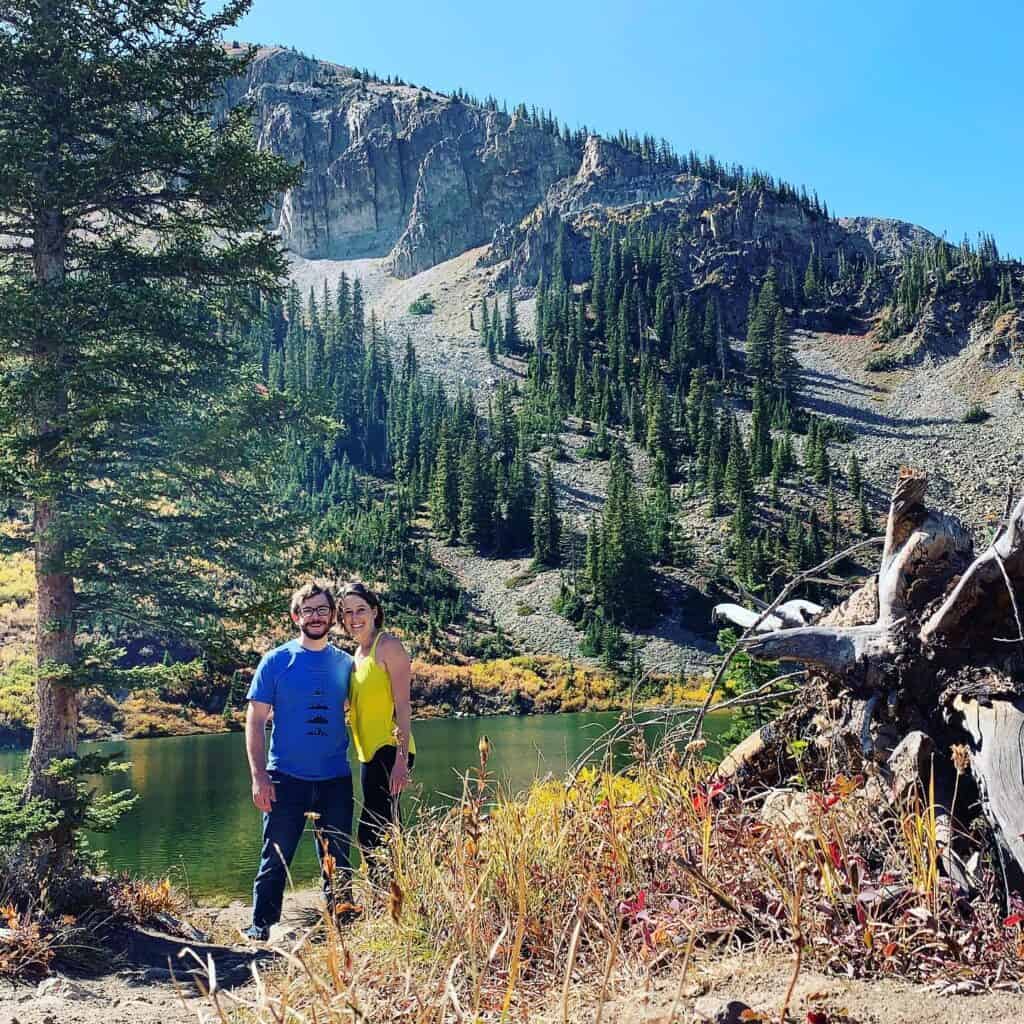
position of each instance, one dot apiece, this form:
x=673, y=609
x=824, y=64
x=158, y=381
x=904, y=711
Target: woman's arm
x=395, y=659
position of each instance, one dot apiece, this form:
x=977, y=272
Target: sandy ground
x=129, y=995
x=755, y=980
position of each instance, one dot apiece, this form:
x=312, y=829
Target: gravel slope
x=912, y=417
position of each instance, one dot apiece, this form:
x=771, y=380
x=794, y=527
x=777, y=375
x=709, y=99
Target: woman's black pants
x=380, y=808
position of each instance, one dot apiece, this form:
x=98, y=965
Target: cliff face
x=402, y=172
x=408, y=174
x=392, y=170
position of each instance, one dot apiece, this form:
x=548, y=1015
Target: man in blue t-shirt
x=305, y=684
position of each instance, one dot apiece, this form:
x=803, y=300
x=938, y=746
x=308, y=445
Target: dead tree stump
x=928, y=654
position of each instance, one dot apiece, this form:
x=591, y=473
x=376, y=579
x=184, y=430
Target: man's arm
x=256, y=748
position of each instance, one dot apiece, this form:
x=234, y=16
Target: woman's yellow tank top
x=372, y=707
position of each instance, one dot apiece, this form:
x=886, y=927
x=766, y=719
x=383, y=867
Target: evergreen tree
x=546, y=524
x=659, y=513
x=512, y=342
x=624, y=589
x=853, y=476
x=760, y=328
x=444, y=492
x=812, y=449
x=659, y=436
x=784, y=365
x=474, y=501
x=863, y=518
x=760, y=434
x=136, y=217
x=520, y=500
x=737, y=469
x=823, y=468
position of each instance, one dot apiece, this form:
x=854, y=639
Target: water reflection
x=195, y=818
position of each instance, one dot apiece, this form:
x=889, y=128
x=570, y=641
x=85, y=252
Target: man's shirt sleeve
x=264, y=681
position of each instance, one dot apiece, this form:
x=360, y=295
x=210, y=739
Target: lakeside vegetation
x=551, y=899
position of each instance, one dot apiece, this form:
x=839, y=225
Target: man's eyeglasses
x=322, y=611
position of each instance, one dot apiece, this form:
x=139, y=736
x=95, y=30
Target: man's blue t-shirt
x=307, y=690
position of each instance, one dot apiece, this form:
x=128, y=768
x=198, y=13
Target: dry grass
x=501, y=904
x=145, y=715
x=141, y=900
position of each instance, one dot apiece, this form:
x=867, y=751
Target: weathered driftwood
x=928, y=654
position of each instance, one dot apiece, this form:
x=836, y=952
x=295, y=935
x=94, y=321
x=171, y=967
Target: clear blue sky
x=898, y=109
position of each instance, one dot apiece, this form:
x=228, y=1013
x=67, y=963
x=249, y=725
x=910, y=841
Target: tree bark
x=56, y=730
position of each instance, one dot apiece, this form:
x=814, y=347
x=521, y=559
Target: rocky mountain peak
x=604, y=160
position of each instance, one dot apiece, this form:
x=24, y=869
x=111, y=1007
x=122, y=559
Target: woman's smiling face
x=357, y=616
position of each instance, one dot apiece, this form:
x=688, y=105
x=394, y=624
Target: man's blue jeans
x=283, y=825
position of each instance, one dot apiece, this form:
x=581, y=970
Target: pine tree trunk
x=56, y=730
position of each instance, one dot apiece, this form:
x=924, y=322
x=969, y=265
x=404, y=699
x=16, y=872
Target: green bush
x=423, y=306
x=17, y=693
x=883, y=362
x=977, y=413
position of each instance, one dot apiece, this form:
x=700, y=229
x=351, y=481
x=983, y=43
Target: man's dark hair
x=357, y=589
x=312, y=589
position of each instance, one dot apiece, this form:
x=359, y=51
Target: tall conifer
x=133, y=217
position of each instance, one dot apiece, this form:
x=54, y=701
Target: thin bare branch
x=797, y=581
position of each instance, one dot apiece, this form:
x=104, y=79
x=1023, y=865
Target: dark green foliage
x=511, y=340
x=21, y=820
x=546, y=523
x=131, y=422
x=864, y=524
x=977, y=413
x=746, y=676
x=424, y=305
x=853, y=476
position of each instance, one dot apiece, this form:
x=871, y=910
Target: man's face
x=314, y=617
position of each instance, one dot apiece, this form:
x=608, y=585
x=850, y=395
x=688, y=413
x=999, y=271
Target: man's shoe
x=256, y=933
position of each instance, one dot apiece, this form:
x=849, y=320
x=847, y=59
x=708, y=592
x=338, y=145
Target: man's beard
x=322, y=630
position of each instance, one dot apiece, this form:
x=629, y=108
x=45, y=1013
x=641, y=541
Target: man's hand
x=399, y=775
x=263, y=794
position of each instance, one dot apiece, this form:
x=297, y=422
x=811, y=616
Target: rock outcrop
x=402, y=172
x=393, y=170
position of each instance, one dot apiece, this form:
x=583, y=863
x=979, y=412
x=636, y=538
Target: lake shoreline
x=524, y=686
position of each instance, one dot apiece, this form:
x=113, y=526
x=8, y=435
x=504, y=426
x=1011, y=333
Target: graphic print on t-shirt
x=317, y=720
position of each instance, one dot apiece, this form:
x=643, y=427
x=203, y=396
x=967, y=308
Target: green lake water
x=195, y=819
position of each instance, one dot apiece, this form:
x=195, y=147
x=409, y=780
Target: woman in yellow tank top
x=380, y=714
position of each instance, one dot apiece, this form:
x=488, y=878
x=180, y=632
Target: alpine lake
x=195, y=821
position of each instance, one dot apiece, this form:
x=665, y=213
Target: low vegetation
x=423, y=306
x=506, y=904
x=977, y=413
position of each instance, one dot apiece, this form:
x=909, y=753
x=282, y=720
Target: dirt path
x=755, y=980
x=138, y=995
x=760, y=982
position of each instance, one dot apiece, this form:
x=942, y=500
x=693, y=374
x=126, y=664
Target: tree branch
x=788, y=589
x=1001, y=558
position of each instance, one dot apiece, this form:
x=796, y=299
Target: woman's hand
x=399, y=775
